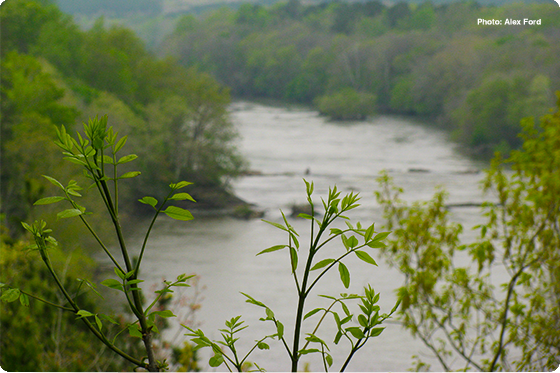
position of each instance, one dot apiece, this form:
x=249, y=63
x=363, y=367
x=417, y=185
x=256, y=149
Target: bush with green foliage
x=489, y=305
x=346, y=104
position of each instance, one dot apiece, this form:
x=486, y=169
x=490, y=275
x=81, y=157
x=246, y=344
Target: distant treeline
x=53, y=73
x=111, y=7
x=416, y=59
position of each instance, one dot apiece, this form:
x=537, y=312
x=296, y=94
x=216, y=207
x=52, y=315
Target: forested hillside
x=55, y=74
x=422, y=59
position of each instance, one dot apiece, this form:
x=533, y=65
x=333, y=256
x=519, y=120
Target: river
x=285, y=145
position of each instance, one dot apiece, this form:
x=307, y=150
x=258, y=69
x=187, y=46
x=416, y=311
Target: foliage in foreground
x=499, y=311
x=96, y=153
x=355, y=328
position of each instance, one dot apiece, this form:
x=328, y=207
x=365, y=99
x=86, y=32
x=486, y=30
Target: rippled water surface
x=283, y=146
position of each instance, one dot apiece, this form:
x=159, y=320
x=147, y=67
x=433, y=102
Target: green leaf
x=279, y=226
x=294, y=258
x=107, y=159
x=344, y=274
x=376, y=244
x=120, y=144
x=308, y=351
x=69, y=213
x=98, y=322
x=362, y=320
x=164, y=313
x=24, y=300
x=263, y=346
x=179, y=185
x=356, y=332
x=119, y=273
x=54, y=181
x=322, y=263
x=84, y=313
x=49, y=200
x=253, y=301
x=273, y=248
x=305, y=216
x=10, y=295
x=216, y=360
x=133, y=331
x=375, y=332
x=112, y=283
x=329, y=360
x=182, y=197
x=149, y=201
x=178, y=213
x=127, y=158
x=365, y=257
x=311, y=313
x=352, y=242
x=381, y=236
x=129, y=175
x=337, y=337
x=280, y=329
x=369, y=233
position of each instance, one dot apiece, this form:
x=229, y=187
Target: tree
x=30, y=106
x=500, y=311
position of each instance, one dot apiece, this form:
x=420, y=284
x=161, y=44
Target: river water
x=285, y=145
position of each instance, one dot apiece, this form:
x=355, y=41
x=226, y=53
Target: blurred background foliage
x=422, y=59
